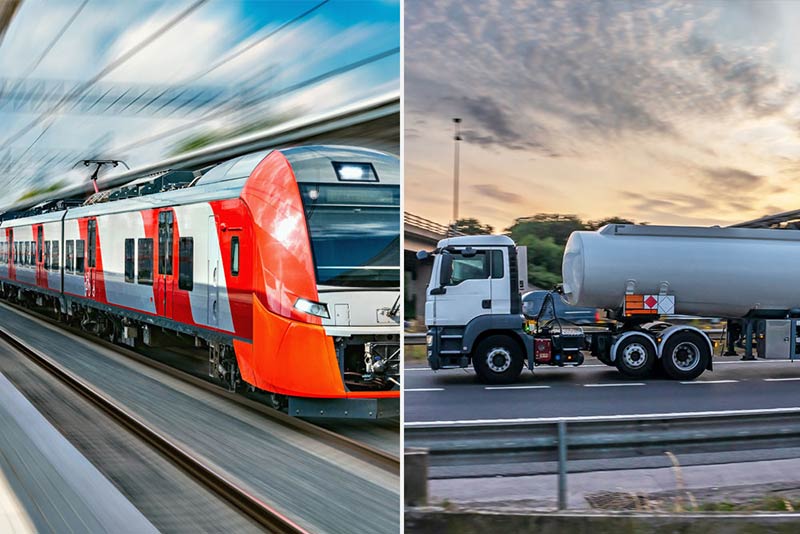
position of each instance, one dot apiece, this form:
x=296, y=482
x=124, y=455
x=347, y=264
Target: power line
x=106, y=71
x=291, y=88
x=56, y=39
x=257, y=42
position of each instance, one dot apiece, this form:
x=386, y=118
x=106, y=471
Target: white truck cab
x=473, y=294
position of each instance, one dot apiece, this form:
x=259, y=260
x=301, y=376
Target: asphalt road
x=597, y=390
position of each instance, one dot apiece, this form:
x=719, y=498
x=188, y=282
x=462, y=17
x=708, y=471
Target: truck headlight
x=429, y=340
x=312, y=308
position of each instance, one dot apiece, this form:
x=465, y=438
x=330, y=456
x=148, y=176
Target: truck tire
x=635, y=356
x=685, y=355
x=498, y=360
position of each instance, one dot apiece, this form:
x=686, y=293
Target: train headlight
x=355, y=172
x=312, y=308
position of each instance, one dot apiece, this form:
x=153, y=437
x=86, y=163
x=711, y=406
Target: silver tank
x=717, y=272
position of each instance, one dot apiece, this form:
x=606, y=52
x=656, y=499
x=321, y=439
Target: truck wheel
x=497, y=360
x=635, y=356
x=685, y=355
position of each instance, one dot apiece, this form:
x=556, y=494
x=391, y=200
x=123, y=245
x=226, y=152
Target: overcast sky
x=340, y=32
x=666, y=112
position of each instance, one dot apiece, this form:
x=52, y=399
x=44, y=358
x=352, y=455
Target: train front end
x=326, y=303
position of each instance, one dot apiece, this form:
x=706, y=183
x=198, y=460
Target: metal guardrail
x=296, y=131
x=600, y=438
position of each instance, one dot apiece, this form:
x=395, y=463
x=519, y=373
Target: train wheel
x=635, y=356
x=498, y=360
x=685, y=355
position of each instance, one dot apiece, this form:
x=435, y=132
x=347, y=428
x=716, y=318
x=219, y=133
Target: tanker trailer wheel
x=497, y=360
x=685, y=355
x=635, y=356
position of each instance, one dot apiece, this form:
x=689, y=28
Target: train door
x=214, y=266
x=165, y=282
x=41, y=274
x=90, y=276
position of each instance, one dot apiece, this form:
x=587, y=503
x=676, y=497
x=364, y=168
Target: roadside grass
x=414, y=354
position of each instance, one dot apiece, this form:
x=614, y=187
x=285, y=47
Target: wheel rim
x=686, y=356
x=634, y=355
x=498, y=359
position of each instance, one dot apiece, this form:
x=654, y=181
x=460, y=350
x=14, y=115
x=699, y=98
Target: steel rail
x=372, y=455
x=260, y=512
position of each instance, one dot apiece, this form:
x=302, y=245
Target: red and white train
x=286, y=264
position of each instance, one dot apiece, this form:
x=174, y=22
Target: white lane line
x=790, y=379
x=689, y=382
x=621, y=384
x=516, y=387
x=582, y=418
x=407, y=390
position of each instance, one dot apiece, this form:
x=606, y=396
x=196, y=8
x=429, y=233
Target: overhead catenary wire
x=223, y=61
x=108, y=69
x=236, y=53
x=288, y=89
x=55, y=40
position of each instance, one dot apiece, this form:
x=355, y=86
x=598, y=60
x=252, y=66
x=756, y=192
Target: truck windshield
x=355, y=233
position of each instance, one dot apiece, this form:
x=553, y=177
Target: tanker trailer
x=717, y=272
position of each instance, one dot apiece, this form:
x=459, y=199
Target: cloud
x=494, y=192
x=727, y=179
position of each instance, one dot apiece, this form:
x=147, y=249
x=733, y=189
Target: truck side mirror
x=422, y=255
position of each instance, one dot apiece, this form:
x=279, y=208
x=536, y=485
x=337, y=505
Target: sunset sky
x=664, y=112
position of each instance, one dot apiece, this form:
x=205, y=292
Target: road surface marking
x=517, y=387
x=423, y=389
x=621, y=384
x=709, y=382
x=582, y=418
x=781, y=379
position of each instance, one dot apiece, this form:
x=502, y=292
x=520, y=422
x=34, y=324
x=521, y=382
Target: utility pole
x=456, y=162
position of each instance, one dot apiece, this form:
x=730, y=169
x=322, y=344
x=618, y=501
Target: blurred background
x=143, y=81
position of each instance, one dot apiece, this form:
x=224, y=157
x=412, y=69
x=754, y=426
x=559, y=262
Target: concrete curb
x=437, y=520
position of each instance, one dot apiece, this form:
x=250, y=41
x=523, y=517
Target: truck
x=636, y=273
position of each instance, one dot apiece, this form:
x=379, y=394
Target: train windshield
x=355, y=233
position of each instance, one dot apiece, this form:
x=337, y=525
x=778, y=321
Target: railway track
x=375, y=456
x=261, y=513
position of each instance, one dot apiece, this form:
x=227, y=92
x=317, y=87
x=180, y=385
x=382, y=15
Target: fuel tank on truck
x=717, y=272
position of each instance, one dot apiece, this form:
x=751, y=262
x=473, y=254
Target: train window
x=91, y=237
x=185, y=263
x=47, y=255
x=145, y=261
x=130, y=258
x=69, y=259
x=54, y=257
x=32, y=259
x=235, y=255
x=80, y=254
x=40, y=239
x=165, y=242
x=27, y=260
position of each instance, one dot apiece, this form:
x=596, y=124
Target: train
x=284, y=264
